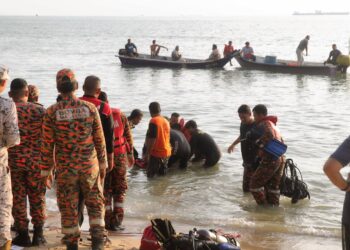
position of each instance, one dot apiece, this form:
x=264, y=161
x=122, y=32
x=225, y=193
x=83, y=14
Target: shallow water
x=313, y=112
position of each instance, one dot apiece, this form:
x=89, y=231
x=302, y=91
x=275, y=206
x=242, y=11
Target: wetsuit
x=265, y=182
x=181, y=149
x=9, y=137
x=72, y=129
x=342, y=155
x=249, y=153
x=24, y=165
x=203, y=146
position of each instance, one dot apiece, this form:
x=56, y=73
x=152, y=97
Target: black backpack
x=292, y=184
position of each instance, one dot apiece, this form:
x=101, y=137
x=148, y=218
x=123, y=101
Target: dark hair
x=103, y=96
x=18, y=84
x=244, y=109
x=67, y=85
x=135, y=113
x=260, y=109
x=177, y=115
x=215, y=46
x=247, y=43
x=154, y=108
x=90, y=83
x=59, y=98
x=191, y=124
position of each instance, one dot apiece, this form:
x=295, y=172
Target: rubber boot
x=72, y=246
x=97, y=244
x=22, y=239
x=38, y=237
x=7, y=246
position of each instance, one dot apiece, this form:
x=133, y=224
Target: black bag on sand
x=292, y=185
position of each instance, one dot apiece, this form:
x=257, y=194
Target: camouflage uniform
x=116, y=182
x=24, y=165
x=9, y=136
x=73, y=128
x=264, y=184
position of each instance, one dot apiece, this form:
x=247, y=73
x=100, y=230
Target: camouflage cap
x=65, y=73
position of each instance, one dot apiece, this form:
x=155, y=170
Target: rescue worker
x=33, y=95
x=265, y=182
x=248, y=148
x=25, y=172
x=180, y=149
x=116, y=182
x=74, y=129
x=157, y=146
x=9, y=137
x=202, y=145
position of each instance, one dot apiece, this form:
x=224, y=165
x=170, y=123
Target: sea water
x=313, y=112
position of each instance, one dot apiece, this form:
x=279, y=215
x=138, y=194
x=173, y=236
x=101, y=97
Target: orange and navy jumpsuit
x=159, y=129
x=24, y=165
x=116, y=182
x=265, y=182
x=72, y=129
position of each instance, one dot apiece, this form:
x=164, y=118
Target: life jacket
x=162, y=147
x=228, y=49
x=120, y=144
x=149, y=240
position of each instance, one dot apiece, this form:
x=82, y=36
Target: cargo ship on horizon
x=320, y=13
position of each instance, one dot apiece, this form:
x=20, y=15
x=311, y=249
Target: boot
x=72, y=246
x=22, y=239
x=7, y=246
x=38, y=237
x=97, y=244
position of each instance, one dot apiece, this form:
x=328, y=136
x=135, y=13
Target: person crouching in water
x=116, y=182
x=265, y=182
x=202, y=145
x=157, y=146
x=248, y=148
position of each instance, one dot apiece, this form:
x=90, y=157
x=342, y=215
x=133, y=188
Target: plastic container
x=270, y=59
x=275, y=148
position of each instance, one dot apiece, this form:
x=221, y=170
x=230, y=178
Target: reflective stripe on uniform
x=274, y=191
x=257, y=189
x=118, y=204
x=97, y=222
x=108, y=207
x=71, y=230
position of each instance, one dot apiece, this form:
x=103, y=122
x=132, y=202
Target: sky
x=167, y=7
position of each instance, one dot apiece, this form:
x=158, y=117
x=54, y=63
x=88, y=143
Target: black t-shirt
x=179, y=144
x=152, y=131
x=248, y=148
x=203, y=144
x=334, y=54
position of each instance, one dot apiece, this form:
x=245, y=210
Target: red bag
x=149, y=240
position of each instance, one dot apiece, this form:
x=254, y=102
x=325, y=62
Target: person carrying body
x=9, y=137
x=248, y=148
x=134, y=119
x=181, y=149
x=202, y=145
x=335, y=163
x=333, y=55
x=175, y=55
x=116, y=181
x=155, y=48
x=247, y=52
x=157, y=145
x=73, y=128
x=265, y=182
x=303, y=45
x=131, y=49
x=215, y=54
x=24, y=165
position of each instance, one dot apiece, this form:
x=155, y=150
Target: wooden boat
x=167, y=62
x=285, y=66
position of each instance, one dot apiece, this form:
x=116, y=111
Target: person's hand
x=131, y=160
x=48, y=181
x=102, y=174
x=231, y=148
x=110, y=162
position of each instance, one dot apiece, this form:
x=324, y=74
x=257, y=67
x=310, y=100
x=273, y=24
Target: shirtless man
x=155, y=48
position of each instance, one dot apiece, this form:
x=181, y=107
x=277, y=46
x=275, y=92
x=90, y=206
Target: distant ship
x=319, y=13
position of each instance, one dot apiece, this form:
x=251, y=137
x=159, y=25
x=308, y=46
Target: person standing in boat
x=215, y=54
x=303, y=45
x=333, y=55
x=155, y=48
x=338, y=160
x=247, y=52
x=175, y=55
x=265, y=182
x=248, y=148
x=131, y=49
